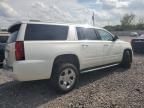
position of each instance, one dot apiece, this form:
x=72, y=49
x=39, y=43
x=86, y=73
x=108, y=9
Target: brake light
x=19, y=50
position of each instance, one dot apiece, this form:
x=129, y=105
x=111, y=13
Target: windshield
x=141, y=36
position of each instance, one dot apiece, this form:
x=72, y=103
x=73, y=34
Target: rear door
x=90, y=47
x=42, y=43
x=41, y=38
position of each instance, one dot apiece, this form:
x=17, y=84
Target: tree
x=127, y=20
x=141, y=20
x=140, y=24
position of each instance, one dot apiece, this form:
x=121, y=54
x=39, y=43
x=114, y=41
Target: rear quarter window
x=46, y=32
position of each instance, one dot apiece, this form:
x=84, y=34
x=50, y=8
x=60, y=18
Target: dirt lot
x=109, y=88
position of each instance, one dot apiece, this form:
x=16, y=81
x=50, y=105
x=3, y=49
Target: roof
x=55, y=23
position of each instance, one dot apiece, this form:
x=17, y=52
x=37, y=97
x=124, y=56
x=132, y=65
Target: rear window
x=12, y=37
x=13, y=30
x=46, y=32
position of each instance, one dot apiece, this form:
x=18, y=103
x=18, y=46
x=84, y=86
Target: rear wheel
x=65, y=76
x=127, y=60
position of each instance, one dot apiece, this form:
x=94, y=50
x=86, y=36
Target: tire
x=126, y=61
x=65, y=77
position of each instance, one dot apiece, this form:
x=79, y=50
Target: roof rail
x=33, y=20
x=50, y=21
x=46, y=21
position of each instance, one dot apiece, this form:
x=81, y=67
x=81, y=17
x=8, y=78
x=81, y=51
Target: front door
x=111, y=49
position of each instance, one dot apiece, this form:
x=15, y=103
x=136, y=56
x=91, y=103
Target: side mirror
x=115, y=38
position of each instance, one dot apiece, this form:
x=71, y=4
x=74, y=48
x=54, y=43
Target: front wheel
x=126, y=61
x=65, y=77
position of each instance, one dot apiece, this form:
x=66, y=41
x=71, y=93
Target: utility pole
x=108, y=22
x=93, y=19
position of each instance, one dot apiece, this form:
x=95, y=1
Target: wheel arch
x=61, y=62
x=70, y=58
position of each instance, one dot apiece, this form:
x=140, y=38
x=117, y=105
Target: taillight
x=19, y=50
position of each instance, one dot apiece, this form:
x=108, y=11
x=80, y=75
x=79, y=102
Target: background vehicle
x=3, y=40
x=60, y=52
x=138, y=44
x=2, y=49
x=134, y=34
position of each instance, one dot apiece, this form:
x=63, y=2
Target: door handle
x=84, y=45
x=106, y=45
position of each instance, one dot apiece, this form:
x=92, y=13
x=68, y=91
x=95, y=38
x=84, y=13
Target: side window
x=86, y=34
x=46, y=32
x=105, y=35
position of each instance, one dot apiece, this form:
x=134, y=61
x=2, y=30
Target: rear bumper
x=28, y=70
x=9, y=73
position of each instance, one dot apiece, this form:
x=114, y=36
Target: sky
x=69, y=11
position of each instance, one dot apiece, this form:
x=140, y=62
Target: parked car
x=60, y=52
x=138, y=44
x=3, y=40
x=134, y=34
x=2, y=49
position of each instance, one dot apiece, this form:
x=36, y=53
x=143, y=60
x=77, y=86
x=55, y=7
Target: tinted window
x=46, y=32
x=105, y=35
x=12, y=37
x=14, y=32
x=86, y=33
x=14, y=28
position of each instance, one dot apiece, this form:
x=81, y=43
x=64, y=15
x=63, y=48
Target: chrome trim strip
x=99, y=68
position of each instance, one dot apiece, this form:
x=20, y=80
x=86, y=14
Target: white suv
x=60, y=52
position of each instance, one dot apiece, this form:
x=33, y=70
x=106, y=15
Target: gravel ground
x=109, y=88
